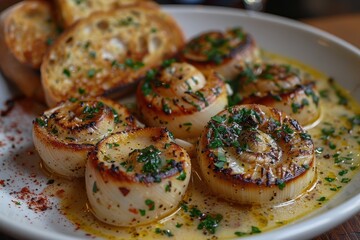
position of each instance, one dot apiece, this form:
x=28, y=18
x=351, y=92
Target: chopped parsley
x=178, y=225
x=166, y=109
x=343, y=172
x=210, y=223
x=321, y=199
x=127, y=21
x=95, y=189
x=49, y=41
x=91, y=72
x=219, y=119
x=81, y=91
x=305, y=136
x=92, y=54
x=295, y=107
x=182, y=176
x=345, y=180
x=280, y=183
x=329, y=179
x=150, y=203
x=67, y=72
x=142, y=212
x=150, y=156
x=168, y=187
x=133, y=64
x=41, y=122
x=165, y=232
x=167, y=62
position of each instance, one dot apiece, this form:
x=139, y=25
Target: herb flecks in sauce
x=240, y=220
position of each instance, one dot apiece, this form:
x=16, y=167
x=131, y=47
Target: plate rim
x=348, y=208
x=267, y=17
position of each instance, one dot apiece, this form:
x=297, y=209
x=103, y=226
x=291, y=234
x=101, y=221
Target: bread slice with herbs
x=108, y=52
x=69, y=11
x=28, y=28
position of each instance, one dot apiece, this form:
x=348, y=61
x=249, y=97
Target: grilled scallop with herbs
x=253, y=154
x=181, y=98
x=136, y=177
x=224, y=52
x=282, y=87
x=64, y=135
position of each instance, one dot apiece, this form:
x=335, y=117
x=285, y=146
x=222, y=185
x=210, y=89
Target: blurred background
x=296, y=9
x=338, y=17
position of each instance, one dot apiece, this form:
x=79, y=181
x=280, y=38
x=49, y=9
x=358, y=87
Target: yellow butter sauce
x=336, y=138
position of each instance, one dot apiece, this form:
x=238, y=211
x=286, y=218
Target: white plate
x=289, y=38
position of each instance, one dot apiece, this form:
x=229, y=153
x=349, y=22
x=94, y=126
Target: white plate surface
x=289, y=38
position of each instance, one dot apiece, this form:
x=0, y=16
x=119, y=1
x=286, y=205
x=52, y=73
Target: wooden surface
x=346, y=27
x=350, y=230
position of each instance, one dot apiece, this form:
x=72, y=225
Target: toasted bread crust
x=28, y=29
x=71, y=11
x=25, y=77
x=108, y=51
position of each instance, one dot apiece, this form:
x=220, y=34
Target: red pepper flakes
x=2, y=183
x=14, y=125
x=133, y=210
x=35, y=202
x=10, y=138
x=124, y=191
x=78, y=226
x=60, y=193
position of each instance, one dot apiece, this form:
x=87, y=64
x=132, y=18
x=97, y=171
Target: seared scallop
x=64, y=135
x=253, y=154
x=224, y=52
x=181, y=98
x=136, y=177
x=282, y=87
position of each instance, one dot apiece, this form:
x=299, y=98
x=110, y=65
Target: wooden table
x=346, y=27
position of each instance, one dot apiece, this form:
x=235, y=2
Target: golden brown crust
x=24, y=76
x=64, y=135
x=160, y=139
x=181, y=98
x=134, y=170
x=29, y=28
x=187, y=103
x=225, y=52
x=258, y=153
x=70, y=11
x=107, y=52
x=282, y=87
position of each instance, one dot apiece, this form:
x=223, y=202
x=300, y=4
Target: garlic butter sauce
x=202, y=215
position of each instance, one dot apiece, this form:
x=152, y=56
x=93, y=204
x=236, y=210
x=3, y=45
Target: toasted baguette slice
x=72, y=10
x=28, y=28
x=24, y=29
x=108, y=52
x=25, y=78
